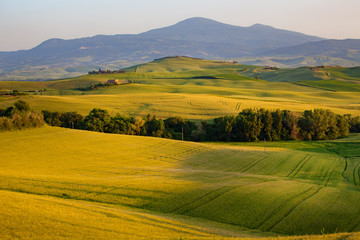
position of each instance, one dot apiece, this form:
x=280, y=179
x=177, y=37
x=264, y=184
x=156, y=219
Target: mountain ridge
x=194, y=37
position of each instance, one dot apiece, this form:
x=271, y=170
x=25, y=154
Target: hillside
x=78, y=184
x=346, y=49
x=253, y=39
x=89, y=185
x=197, y=89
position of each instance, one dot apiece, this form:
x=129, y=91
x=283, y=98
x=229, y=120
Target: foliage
x=250, y=125
x=19, y=116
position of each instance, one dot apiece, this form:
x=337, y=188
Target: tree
x=224, y=127
x=343, y=126
x=97, y=120
x=52, y=118
x=267, y=121
x=120, y=124
x=248, y=126
x=354, y=123
x=290, y=130
x=22, y=106
x=277, y=125
x=138, y=126
x=71, y=120
x=154, y=127
x=175, y=126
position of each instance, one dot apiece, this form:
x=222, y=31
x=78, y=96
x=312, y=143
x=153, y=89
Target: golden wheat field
x=60, y=183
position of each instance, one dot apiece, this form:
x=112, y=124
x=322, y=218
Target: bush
x=20, y=116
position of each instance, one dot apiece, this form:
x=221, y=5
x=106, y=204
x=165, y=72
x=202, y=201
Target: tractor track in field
x=329, y=172
x=346, y=165
x=237, y=107
x=309, y=193
x=253, y=164
x=356, y=175
x=160, y=144
x=299, y=166
x=277, y=209
x=192, y=205
x=207, y=198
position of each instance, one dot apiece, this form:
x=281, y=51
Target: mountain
x=195, y=37
x=346, y=49
x=255, y=38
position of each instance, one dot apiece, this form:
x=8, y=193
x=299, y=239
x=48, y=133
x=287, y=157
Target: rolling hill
x=70, y=184
x=197, y=89
x=79, y=186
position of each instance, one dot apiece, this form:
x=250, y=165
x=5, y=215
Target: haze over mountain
x=348, y=49
x=194, y=37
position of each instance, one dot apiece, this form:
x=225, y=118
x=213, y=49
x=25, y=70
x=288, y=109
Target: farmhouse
x=116, y=82
x=113, y=81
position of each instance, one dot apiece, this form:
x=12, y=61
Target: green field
x=60, y=177
x=197, y=89
x=59, y=183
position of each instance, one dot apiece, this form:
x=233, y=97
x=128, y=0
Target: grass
x=196, y=89
x=61, y=183
x=333, y=85
x=224, y=190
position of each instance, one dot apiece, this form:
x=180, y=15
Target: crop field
x=60, y=183
x=196, y=89
x=174, y=189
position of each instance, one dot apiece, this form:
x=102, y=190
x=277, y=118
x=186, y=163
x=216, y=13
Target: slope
x=252, y=39
x=196, y=89
x=288, y=191
x=347, y=49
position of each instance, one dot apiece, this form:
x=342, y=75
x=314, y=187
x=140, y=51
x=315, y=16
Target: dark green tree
x=267, y=122
x=22, y=106
x=154, y=127
x=97, y=120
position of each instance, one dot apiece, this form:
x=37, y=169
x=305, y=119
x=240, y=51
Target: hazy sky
x=26, y=23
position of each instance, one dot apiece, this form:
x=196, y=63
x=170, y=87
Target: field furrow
x=202, y=200
x=307, y=195
x=356, y=174
x=297, y=168
x=281, y=191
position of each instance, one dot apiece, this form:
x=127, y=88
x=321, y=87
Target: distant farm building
x=113, y=81
x=271, y=68
x=116, y=81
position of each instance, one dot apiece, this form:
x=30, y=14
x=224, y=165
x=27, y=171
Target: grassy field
x=197, y=89
x=176, y=189
x=59, y=183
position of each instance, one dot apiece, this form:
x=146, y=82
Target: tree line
x=248, y=126
x=19, y=116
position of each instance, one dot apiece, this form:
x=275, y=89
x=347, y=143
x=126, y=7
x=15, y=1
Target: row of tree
x=248, y=125
x=100, y=120
x=260, y=124
x=19, y=116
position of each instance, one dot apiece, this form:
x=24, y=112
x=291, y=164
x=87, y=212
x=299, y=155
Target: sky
x=24, y=24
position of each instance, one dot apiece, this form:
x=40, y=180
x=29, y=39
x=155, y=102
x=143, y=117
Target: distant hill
x=347, y=49
x=194, y=37
x=253, y=39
